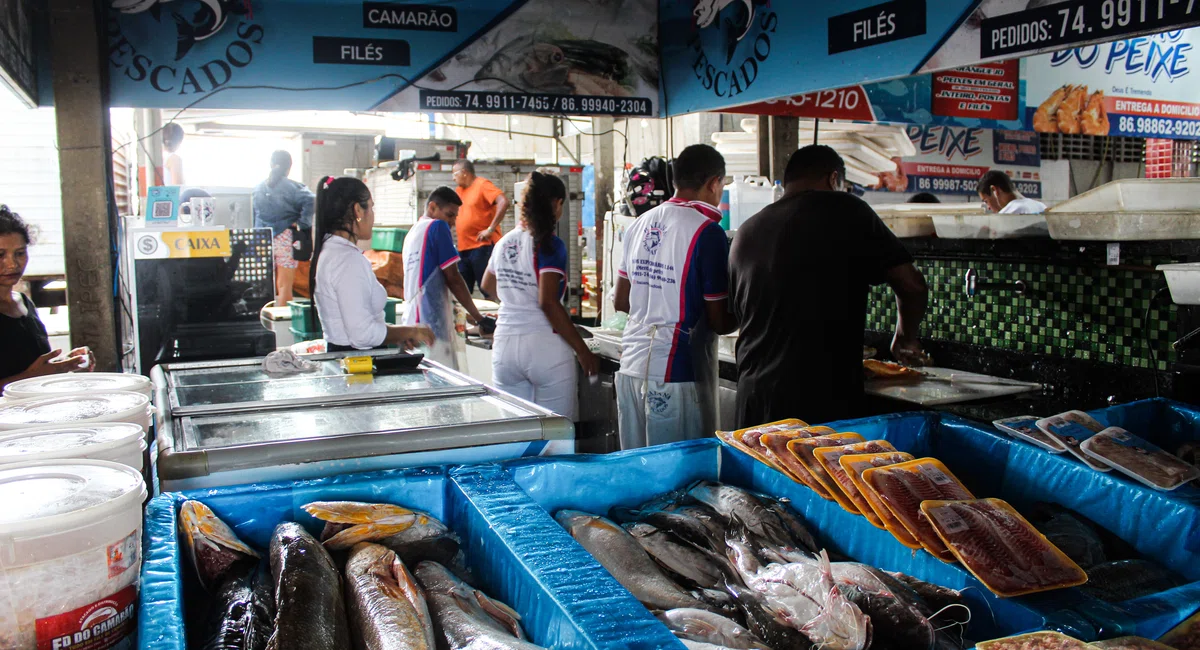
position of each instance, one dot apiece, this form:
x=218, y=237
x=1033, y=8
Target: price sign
x=1081, y=21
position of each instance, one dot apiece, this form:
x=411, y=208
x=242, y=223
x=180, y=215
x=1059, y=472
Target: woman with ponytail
x=348, y=299
x=536, y=345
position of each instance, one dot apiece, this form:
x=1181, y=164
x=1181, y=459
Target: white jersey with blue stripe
x=676, y=259
x=429, y=248
x=518, y=264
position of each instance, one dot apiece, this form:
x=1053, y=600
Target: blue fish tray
x=518, y=554
x=990, y=464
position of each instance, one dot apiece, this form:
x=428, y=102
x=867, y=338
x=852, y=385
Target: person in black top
x=799, y=273
x=24, y=344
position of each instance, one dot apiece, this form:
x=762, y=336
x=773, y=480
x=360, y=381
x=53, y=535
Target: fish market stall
x=230, y=422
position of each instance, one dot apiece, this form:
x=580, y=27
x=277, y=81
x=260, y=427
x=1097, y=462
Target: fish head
x=354, y=512
x=569, y=518
x=211, y=544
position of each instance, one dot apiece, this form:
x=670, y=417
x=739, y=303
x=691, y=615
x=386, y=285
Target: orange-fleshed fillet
x=802, y=450
x=903, y=490
x=848, y=496
x=854, y=466
x=776, y=445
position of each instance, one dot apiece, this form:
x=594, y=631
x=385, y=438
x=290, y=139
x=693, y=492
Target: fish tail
x=354, y=512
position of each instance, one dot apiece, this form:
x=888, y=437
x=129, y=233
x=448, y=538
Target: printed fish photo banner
x=554, y=57
x=596, y=57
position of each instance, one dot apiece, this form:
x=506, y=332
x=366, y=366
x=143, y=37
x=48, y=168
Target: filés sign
x=884, y=23
x=360, y=51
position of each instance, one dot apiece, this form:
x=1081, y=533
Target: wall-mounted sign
x=18, y=55
x=1060, y=24
x=986, y=91
x=890, y=21
x=1144, y=87
x=508, y=56
x=950, y=160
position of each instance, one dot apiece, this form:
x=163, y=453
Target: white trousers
x=540, y=368
x=668, y=412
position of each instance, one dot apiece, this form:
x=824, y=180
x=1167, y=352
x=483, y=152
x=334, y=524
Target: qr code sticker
x=162, y=209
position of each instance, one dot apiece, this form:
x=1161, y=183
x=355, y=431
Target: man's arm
x=720, y=320
x=458, y=287
x=621, y=300
x=488, y=284
x=501, y=208
x=912, y=297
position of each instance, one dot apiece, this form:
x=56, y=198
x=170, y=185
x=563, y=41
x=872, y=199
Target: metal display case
x=228, y=422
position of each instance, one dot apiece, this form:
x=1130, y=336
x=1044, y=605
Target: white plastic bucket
x=79, y=382
x=117, y=442
x=70, y=554
x=92, y=408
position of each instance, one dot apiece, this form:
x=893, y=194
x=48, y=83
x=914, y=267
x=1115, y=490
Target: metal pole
x=604, y=168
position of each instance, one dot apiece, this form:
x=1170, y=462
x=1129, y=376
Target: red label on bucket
x=123, y=555
x=106, y=623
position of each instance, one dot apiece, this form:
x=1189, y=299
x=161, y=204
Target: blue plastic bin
x=1166, y=423
x=989, y=463
x=518, y=555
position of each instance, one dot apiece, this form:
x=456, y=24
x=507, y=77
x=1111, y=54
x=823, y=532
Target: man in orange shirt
x=483, y=207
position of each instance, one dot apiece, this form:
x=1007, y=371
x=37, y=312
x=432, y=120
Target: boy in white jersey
x=431, y=275
x=673, y=282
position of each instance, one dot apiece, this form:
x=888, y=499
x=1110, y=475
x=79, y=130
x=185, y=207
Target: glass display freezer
x=228, y=422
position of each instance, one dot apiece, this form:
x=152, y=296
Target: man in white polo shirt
x=673, y=282
x=997, y=191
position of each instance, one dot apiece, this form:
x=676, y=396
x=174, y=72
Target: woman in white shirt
x=348, y=299
x=536, y=345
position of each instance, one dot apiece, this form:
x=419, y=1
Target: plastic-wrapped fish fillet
x=904, y=486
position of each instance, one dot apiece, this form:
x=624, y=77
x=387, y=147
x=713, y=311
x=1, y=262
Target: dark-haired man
x=673, y=283
x=998, y=193
x=800, y=271
x=286, y=207
x=483, y=208
x=431, y=275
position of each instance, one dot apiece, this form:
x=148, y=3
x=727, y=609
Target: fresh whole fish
x=386, y=608
x=212, y=548
x=309, y=611
x=936, y=597
x=466, y=617
x=764, y=622
x=893, y=618
x=758, y=516
x=703, y=569
x=706, y=627
x=243, y=611
x=618, y=552
x=426, y=538
x=1128, y=579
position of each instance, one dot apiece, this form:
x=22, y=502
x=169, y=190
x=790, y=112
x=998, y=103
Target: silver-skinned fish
x=386, y=608
x=466, y=617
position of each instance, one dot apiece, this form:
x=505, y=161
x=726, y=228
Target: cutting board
x=938, y=389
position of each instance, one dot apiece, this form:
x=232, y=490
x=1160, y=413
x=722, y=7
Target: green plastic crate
x=388, y=239
x=306, y=335
x=303, y=317
x=389, y=310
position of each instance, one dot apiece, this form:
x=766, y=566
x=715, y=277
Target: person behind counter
x=24, y=344
x=286, y=207
x=1001, y=196
x=431, y=275
x=800, y=271
x=923, y=197
x=483, y=208
x=673, y=283
x=536, y=345
x=348, y=299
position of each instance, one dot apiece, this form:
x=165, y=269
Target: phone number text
x=947, y=185
x=1161, y=126
x=489, y=102
x=1080, y=21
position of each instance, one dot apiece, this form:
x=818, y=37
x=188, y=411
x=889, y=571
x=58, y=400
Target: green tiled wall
x=1081, y=313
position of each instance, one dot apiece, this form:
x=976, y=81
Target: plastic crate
x=389, y=310
x=388, y=239
x=304, y=318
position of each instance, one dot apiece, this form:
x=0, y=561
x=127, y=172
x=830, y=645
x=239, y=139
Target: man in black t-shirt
x=800, y=271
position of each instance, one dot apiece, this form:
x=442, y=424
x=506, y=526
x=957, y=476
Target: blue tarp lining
x=515, y=550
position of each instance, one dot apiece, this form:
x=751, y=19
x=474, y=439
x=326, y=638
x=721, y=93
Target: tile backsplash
x=1074, y=312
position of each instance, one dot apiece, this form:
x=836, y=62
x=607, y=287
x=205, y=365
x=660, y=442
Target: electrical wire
x=1146, y=337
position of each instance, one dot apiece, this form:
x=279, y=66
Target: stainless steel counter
x=228, y=422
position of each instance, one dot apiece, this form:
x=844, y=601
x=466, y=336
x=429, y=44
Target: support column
x=778, y=138
x=85, y=165
x=604, y=164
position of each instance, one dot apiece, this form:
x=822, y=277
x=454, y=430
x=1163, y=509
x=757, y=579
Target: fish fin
x=503, y=614
x=354, y=512
x=197, y=519
x=364, y=533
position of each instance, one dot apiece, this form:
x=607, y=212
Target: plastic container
x=746, y=199
x=70, y=553
x=804, y=451
x=1056, y=640
x=957, y=531
x=115, y=406
x=75, y=383
x=117, y=442
x=1130, y=210
x=303, y=317
x=517, y=553
x=389, y=310
x=936, y=479
x=1024, y=427
x=1132, y=455
x=907, y=226
x=388, y=239
x=990, y=226
x=1130, y=643
x=1070, y=429
x=854, y=465
x=1184, y=281
x=842, y=487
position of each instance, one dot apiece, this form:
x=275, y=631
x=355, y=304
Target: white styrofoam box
x=990, y=226
x=1137, y=195
x=1184, y=281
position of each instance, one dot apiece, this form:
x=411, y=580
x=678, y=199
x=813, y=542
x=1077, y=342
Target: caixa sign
x=212, y=41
